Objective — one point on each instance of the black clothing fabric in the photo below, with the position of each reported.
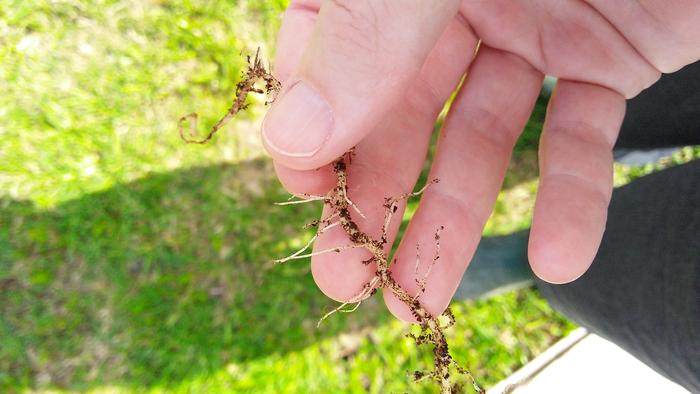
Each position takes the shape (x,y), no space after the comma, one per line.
(665,115)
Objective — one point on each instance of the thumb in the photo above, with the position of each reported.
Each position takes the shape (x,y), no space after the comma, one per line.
(362,56)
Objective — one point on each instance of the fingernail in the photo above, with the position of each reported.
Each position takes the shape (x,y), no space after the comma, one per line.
(299,122)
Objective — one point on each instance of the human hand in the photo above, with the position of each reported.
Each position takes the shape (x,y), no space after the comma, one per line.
(375,74)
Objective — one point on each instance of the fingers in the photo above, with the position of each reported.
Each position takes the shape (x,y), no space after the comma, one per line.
(580,130)
(388,161)
(666,33)
(473,153)
(361,58)
(297,26)
(566,39)
(312,182)
(294,35)
(375,172)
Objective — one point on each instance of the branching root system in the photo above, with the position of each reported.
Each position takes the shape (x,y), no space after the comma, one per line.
(432,328)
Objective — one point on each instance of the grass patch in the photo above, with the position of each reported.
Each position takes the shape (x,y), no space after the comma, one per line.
(131,262)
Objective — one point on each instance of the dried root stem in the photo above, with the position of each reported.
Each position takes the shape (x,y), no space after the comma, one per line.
(336,249)
(431,328)
(256,72)
(301,201)
(368,290)
(421,280)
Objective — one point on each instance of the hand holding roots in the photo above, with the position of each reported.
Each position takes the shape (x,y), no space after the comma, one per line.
(432,328)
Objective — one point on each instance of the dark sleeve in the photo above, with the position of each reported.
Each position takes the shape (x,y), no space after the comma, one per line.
(665,115)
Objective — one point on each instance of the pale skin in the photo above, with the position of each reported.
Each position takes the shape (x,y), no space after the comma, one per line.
(386,68)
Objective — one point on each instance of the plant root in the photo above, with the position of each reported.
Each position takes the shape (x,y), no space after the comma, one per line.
(432,330)
(256,72)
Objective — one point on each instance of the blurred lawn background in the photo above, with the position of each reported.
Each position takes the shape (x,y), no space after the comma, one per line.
(131,262)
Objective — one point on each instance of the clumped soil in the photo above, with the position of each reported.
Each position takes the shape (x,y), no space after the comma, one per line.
(257,79)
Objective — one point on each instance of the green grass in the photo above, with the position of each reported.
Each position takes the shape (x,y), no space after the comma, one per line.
(131,262)
(92,91)
(164,284)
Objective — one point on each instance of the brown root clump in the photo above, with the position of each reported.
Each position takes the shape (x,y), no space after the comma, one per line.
(432,328)
(256,72)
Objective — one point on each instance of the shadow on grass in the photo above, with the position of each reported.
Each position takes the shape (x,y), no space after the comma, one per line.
(166,278)
(156,281)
